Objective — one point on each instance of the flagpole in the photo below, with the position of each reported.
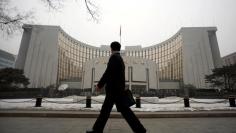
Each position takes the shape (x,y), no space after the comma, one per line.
(120,34)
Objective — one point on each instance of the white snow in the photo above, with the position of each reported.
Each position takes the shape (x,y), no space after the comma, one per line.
(150,104)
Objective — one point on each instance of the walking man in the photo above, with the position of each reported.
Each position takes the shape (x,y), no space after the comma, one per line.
(114,79)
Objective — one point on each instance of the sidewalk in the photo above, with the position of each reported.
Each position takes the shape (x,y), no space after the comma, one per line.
(39,121)
(91,114)
(117,125)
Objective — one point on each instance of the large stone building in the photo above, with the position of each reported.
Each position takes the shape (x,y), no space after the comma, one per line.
(49,56)
(6,59)
(139,73)
(229,59)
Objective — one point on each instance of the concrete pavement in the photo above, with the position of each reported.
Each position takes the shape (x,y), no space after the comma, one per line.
(85,114)
(79,125)
(39,121)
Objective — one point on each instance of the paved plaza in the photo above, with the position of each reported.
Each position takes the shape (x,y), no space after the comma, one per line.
(117,125)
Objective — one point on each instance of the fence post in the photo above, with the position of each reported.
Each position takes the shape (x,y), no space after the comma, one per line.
(88,101)
(138,102)
(38,102)
(186,102)
(232,101)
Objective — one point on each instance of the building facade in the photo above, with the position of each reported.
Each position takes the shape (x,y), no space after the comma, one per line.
(229,59)
(139,73)
(50,56)
(6,59)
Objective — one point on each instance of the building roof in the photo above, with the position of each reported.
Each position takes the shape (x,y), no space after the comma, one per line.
(234,53)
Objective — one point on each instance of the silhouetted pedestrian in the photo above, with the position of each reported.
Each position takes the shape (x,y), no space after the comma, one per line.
(114,78)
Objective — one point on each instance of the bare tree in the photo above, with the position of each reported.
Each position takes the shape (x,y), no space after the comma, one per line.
(54,4)
(90,6)
(11,19)
(92,10)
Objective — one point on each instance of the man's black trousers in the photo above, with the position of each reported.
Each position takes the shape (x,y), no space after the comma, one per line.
(126,112)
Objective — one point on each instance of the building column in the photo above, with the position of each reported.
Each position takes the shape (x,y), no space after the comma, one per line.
(129,76)
(92,80)
(147,79)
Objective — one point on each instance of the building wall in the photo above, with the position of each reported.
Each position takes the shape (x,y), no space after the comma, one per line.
(71,84)
(73,54)
(23,51)
(137,72)
(168,56)
(186,57)
(169,85)
(6,59)
(229,59)
(38,55)
(200,55)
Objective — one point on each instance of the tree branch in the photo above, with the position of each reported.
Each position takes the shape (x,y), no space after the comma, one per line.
(10,24)
(92,10)
(90,6)
(11,20)
(54,4)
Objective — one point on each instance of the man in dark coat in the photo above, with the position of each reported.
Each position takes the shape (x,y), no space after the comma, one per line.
(114,78)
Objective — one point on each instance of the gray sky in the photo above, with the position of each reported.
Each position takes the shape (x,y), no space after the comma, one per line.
(144,22)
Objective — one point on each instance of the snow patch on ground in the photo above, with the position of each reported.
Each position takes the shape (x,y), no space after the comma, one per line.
(149,104)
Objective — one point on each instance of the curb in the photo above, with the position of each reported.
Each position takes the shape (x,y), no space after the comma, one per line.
(74,114)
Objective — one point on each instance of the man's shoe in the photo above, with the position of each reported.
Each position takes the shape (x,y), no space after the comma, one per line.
(92,131)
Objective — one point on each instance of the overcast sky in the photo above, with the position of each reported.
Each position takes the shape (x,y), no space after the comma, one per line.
(144,22)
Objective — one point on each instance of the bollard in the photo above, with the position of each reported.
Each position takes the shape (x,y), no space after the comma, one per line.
(138,102)
(88,102)
(38,102)
(232,101)
(186,102)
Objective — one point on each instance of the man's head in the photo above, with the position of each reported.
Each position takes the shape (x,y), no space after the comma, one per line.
(115,46)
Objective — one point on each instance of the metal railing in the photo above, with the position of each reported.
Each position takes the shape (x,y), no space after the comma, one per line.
(88,101)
